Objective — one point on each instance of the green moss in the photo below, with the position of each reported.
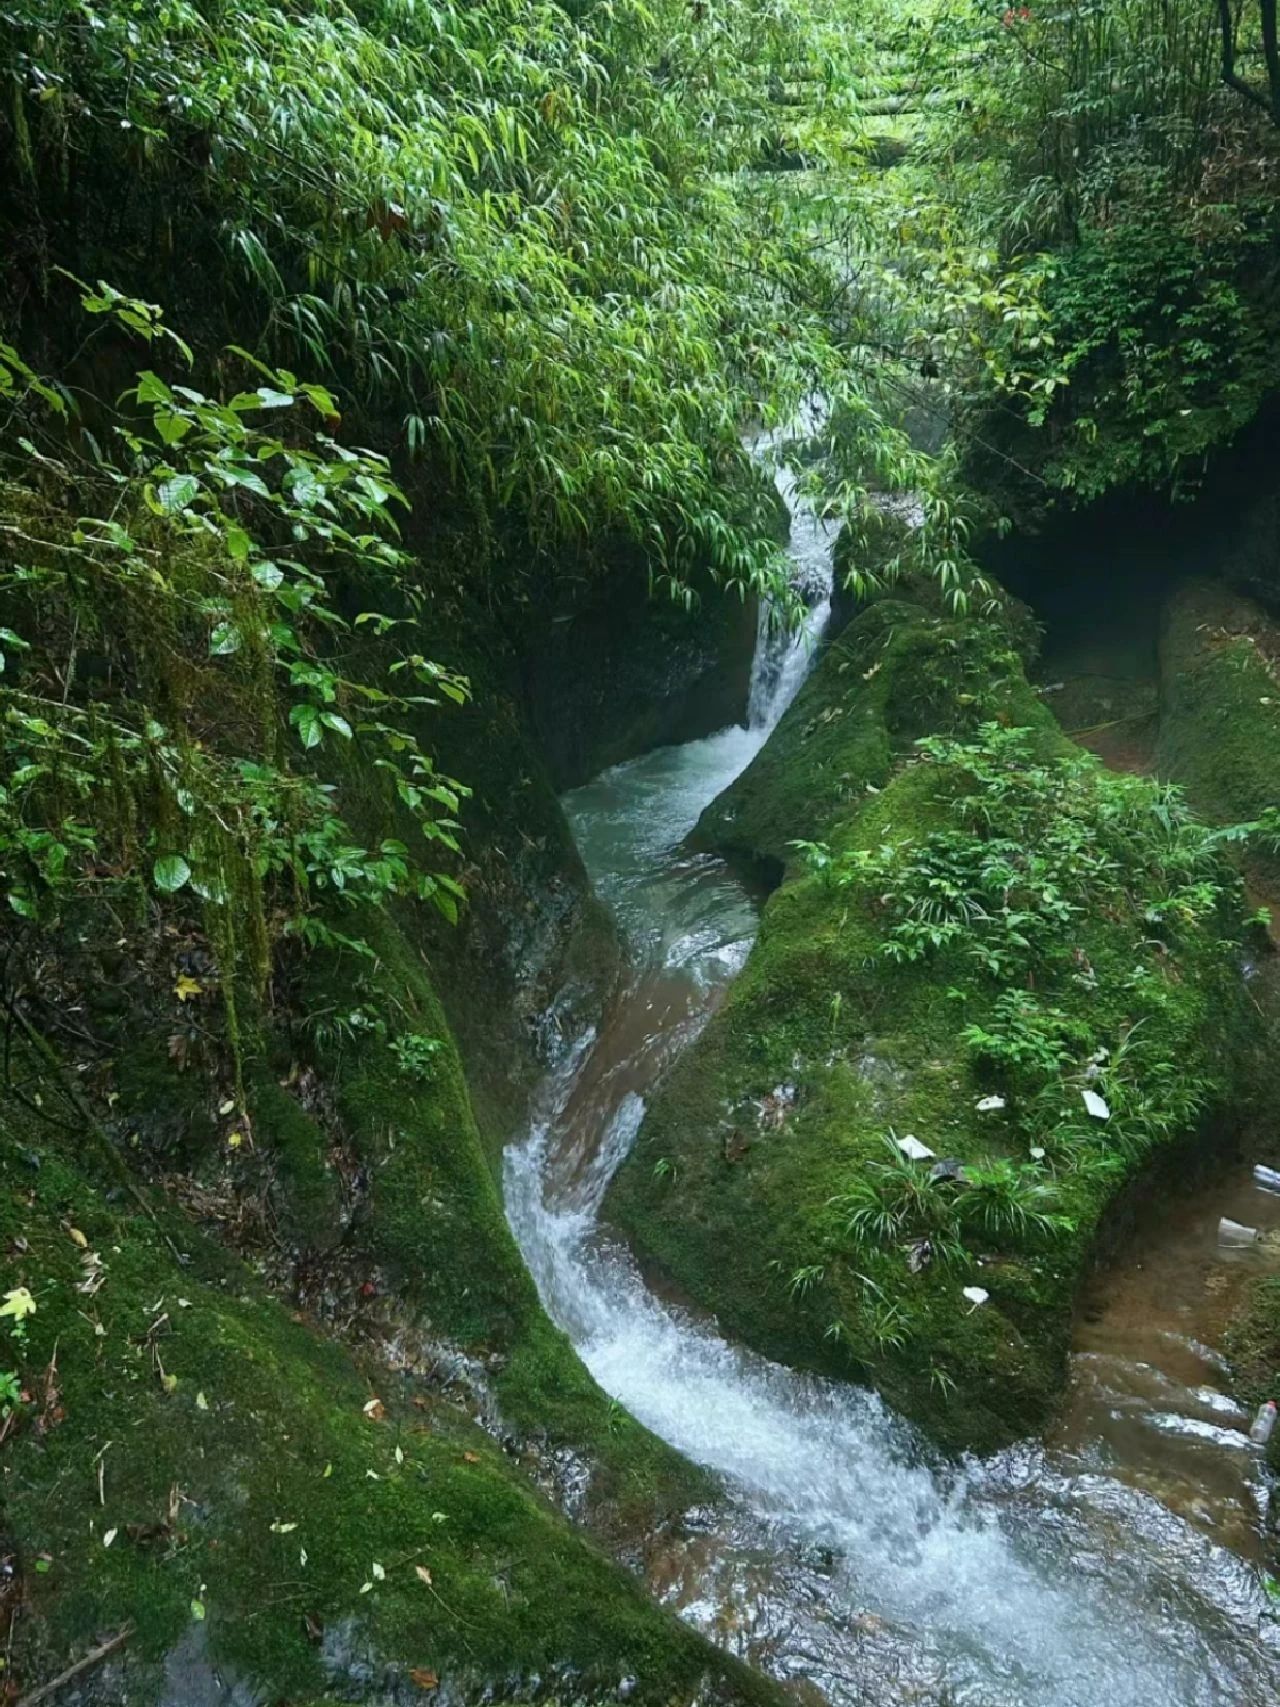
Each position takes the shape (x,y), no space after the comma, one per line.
(309,1196)
(897,671)
(431,1222)
(200,1447)
(825,1047)
(1220,709)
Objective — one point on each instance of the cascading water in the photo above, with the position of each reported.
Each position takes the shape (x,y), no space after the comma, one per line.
(841,1555)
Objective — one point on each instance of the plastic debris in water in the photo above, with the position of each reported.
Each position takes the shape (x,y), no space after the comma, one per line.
(911,1146)
(1264,1423)
(976,1295)
(1234,1235)
(987,1104)
(1267,1178)
(1096,1105)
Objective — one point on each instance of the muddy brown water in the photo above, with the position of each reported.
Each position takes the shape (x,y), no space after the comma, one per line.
(1150,1399)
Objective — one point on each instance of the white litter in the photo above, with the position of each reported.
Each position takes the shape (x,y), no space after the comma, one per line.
(976,1295)
(987,1104)
(1037,1152)
(1096,1105)
(911,1146)
(1234,1235)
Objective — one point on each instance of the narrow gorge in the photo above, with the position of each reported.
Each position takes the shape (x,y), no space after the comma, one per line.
(639,842)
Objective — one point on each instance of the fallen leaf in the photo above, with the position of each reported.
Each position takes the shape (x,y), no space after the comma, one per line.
(278,1528)
(227,1107)
(471,1457)
(988,1105)
(234,1140)
(375,1410)
(377,1572)
(424,1679)
(202,1404)
(422,1574)
(399,1454)
(109,1537)
(185,989)
(77,1238)
(19,1303)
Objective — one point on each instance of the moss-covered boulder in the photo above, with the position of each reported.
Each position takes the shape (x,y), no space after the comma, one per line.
(189,1462)
(898,671)
(1220,709)
(1000,955)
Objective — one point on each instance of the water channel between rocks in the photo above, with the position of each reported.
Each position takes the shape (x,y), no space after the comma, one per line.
(1103,1566)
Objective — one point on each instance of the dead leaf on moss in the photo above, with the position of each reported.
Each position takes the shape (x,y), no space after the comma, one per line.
(424,1679)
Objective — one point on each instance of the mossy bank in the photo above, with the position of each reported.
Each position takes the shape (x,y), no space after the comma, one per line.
(247,1495)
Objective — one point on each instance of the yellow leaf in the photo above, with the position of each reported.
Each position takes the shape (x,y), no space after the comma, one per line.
(423,1574)
(78,1238)
(186,988)
(18,1303)
(234,1140)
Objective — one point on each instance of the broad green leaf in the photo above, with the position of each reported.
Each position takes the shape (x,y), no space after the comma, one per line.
(177,493)
(170,872)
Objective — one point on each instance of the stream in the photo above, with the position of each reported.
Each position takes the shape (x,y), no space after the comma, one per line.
(844,1555)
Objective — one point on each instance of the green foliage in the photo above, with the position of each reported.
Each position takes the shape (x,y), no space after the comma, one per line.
(1032,843)
(1031,849)
(522,233)
(200,594)
(415,1055)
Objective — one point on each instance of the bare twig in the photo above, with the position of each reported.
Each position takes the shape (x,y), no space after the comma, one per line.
(94,1657)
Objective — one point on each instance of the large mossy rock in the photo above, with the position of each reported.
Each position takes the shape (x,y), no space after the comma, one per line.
(900,670)
(848,1030)
(258,1502)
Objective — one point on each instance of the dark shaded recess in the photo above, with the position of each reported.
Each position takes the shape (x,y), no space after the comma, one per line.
(1097,578)
(622,670)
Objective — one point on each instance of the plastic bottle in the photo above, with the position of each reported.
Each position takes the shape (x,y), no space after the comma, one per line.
(1264,1423)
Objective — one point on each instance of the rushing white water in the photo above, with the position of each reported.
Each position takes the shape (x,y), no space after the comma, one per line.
(843,1556)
